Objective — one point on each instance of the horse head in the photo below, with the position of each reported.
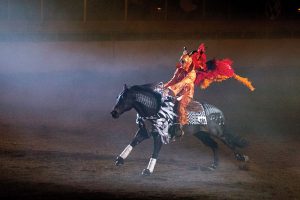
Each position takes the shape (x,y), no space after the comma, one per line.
(143,98)
(124,102)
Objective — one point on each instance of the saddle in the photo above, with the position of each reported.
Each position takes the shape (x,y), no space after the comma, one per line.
(194,110)
(194,106)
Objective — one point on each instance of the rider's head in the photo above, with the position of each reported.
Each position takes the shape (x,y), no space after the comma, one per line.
(201,49)
(185,60)
(199,58)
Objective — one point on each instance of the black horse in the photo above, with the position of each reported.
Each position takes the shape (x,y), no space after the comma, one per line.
(205,122)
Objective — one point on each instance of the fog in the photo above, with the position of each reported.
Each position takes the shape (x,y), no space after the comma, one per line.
(74,82)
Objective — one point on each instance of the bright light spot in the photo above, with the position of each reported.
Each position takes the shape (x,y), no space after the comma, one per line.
(159,8)
(298,9)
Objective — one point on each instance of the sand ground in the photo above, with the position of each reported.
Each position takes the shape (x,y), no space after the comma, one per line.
(58,140)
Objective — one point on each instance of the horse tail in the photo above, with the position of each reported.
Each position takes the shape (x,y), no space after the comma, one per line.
(244,81)
(235,140)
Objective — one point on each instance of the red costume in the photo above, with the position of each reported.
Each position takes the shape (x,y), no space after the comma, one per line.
(195,70)
(214,70)
(182,84)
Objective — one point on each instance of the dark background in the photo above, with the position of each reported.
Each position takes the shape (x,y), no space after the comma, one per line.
(63,63)
(97,10)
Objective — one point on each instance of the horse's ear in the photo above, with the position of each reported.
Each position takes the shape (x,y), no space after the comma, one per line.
(125,87)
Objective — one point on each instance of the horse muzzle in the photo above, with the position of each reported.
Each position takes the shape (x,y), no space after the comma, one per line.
(115,114)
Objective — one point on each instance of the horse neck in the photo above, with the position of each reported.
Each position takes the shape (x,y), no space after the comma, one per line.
(146,104)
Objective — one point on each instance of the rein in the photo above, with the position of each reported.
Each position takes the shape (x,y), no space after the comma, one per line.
(164,118)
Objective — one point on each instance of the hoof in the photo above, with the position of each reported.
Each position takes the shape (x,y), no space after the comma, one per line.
(212,167)
(241,157)
(119,161)
(146,172)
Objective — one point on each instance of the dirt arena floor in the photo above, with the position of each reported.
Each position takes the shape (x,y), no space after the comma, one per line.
(58,140)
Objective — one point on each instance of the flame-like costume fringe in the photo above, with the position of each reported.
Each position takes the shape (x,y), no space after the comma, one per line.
(244,81)
(207,82)
(219,78)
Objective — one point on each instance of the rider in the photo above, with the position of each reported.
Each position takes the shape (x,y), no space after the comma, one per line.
(194,69)
(182,84)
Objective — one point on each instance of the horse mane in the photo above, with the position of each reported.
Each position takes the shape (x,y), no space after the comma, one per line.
(148,88)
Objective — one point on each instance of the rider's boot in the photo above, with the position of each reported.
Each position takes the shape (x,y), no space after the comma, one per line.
(178,131)
(182,120)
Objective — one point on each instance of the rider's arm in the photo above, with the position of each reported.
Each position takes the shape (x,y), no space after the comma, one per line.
(173,79)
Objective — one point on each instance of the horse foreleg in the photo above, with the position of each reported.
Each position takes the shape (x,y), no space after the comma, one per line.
(138,138)
(157,143)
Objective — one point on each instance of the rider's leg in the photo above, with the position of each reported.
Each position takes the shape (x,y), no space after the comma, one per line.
(183,119)
(141,135)
(182,109)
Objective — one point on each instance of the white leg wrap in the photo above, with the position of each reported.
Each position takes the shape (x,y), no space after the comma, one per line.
(126,151)
(151,164)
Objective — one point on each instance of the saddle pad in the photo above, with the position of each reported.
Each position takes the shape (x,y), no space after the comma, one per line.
(197,117)
(194,106)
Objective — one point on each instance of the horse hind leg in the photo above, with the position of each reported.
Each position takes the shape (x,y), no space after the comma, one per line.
(241,157)
(230,140)
(234,142)
(208,141)
(217,129)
